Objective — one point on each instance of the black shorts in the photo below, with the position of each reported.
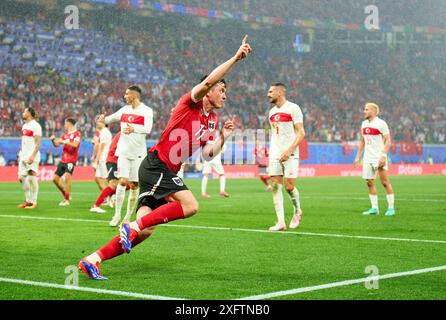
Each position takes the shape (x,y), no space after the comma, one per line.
(156,181)
(112,171)
(64,167)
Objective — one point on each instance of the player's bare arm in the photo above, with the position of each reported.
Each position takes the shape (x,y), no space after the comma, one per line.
(37,141)
(360,150)
(212,149)
(200,90)
(300,135)
(56,141)
(73,144)
(387,145)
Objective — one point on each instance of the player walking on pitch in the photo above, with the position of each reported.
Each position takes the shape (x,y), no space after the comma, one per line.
(287,132)
(29,158)
(136,121)
(164,197)
(207,170)
(99,161)
(375,142)
(71,141)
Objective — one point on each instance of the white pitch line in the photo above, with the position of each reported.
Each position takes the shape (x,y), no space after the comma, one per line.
(342,283)
(334,235)
(87,289)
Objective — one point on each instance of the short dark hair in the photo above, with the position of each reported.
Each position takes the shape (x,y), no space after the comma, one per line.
(135,88)
(204,77)
(279,84)
(71,120)
(31,111)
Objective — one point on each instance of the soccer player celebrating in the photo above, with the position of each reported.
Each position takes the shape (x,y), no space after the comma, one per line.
(99,162)
(261,154)
(164,197)
(29,158)
(112,170)
(136,120)
(287,132)
(207,169)
(71,141)
(375,143)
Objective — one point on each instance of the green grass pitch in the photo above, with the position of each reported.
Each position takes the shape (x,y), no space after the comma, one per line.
(234,257)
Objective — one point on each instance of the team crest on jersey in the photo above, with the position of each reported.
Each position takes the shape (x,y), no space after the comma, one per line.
(71,136)
(277,117)
(367,130)
(211,125)
(178,181)
(131,119)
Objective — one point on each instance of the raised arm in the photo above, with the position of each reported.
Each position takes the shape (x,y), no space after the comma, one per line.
(200,90)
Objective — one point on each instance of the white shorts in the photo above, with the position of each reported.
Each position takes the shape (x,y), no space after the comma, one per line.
(370,170)
(218,167)
(128,168)
(288,169)
(24,167)
(101,170)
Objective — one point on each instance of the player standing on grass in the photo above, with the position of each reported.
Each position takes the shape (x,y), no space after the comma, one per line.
(375,142)
(71,141)
(261,154)
(112,172)
(216,164)
(287,132)
(164,197)
(29,158)
(136,121)
(99,162)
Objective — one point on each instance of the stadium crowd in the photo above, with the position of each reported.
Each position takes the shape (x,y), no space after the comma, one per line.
(331,83)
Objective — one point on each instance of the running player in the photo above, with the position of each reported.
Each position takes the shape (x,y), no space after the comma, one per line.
(29,158)
(136,121)
(71,141)
(164,197)
(99,162)
(375,142)
(112,172)
(215,164)
(287,132)
(261,154)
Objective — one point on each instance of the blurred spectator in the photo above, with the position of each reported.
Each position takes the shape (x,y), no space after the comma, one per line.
(2,160)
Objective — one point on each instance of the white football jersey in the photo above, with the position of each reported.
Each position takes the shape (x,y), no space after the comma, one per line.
(105,136)
(373,132)
(29,131)
(282,121)
(133,145)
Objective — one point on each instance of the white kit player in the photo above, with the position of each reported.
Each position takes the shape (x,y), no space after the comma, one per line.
(287,132)
(29,158)
(99,162)
(375,142)
(136,121)
(215,164)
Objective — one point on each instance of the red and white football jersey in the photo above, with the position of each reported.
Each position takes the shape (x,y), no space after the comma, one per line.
(282,121)
(373,132)
(29,131)
(105,136)
(133,145)
(70,154)
(188,129)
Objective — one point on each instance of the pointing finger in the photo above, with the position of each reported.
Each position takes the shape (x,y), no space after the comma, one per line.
(245,39)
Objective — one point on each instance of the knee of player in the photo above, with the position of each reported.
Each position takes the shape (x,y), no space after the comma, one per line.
(289,187)
(144,234)
(190,208)
(370,183)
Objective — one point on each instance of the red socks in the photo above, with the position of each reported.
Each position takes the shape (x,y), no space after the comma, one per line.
(66,196)
(168,212)
(114,248)
(104,194)
(264,180)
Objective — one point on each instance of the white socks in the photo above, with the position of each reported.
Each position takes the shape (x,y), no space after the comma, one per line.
(294,197)
(204,184)
(27,189)
(131,202)
(34,188)
(278,203)
(374,200)
(93,258)
(120,196)
(222,183)
(390,200)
